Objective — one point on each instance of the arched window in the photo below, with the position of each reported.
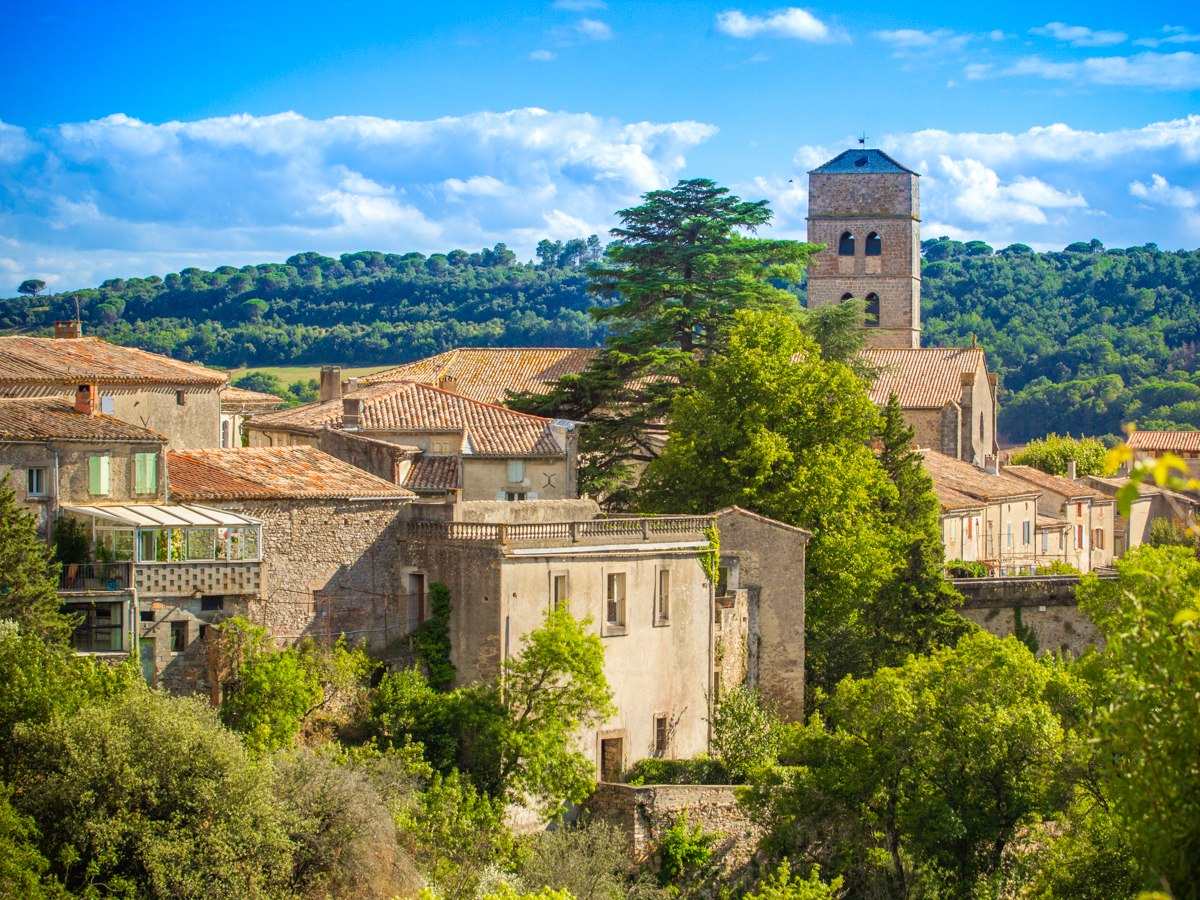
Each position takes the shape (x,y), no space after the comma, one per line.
(872,311)
(846,244)
(874,244)
(225,433)
(846,297)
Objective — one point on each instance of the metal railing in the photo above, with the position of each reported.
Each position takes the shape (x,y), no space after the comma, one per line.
(111,576)
(640,528)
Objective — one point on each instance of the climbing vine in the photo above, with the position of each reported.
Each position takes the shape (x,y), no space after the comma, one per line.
(431,640)
(710,559)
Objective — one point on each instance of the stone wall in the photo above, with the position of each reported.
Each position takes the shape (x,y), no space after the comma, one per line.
(644,812)
(524,513)
(381,458)
(1047,608)
(731,642)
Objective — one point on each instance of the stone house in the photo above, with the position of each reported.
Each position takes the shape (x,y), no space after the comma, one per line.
(329,538)
(1152,503)
(764,559)
(179,400)
(639,582)
(1154,444)
(947,395)
(238,405)
(1087,514)
(1002,532)
(487,451)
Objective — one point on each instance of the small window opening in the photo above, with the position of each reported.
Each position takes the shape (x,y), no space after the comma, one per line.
(662,609)
(847,296)
(615,599)
(181,398)
(212,604)
(661,736)
(146,615)
(874,246)
(846,244)
(872,311)
(179,634)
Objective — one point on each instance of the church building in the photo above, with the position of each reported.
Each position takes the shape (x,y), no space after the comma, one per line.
(865,208)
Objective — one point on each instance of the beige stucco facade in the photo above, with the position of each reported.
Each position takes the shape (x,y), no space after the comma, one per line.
(504,577)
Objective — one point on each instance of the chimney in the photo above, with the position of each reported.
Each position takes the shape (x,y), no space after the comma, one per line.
(72,328)
(448,383)
(85,399)
(991,465)
(351,413)
(350,385)
(1072,469)
(331,383)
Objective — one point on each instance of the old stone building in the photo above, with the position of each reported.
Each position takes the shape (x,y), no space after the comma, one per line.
(452,443)
(638,581)
(1077,512)
(864,207)
(1152,503)
(179,400)
(238,405)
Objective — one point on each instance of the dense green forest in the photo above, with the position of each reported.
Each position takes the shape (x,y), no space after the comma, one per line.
(1084,339)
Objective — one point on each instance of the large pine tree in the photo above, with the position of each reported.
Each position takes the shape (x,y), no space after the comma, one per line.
(28,573)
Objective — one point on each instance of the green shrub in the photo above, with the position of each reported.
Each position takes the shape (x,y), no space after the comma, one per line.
(962,568)
(701,770)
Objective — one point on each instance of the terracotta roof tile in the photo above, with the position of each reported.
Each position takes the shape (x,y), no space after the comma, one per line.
(408,407)
(237,395)
(488,374)
(1053,484)
(33,360)
(54,418)
(430,474)
(1165,441)
(951,499)
(925,378)
(964,478)
(266,473)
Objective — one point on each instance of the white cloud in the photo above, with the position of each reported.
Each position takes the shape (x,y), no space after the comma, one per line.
(979,195)
(543,56)
(915,39)
(1080,35)
(594,29)
(1172,34)
(1162,71)
(1163,193)
(117,196)
(791,22)
(579,5)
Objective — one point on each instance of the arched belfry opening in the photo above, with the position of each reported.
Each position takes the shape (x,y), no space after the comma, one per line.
(874,244)
(872,311)
(846,244)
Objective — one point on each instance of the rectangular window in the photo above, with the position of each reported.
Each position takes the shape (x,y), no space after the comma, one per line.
(661,736)
(212,604)
(558,591)
(662,604)
(514,495)
(1009,535)
(970,527)
(614,613)
(1045,542)
(181,397)
(1026,532)
(1098,538)
(146,615)
(145,473)
(1079,509)
(1078,537)
(35,482)
(516,471)
(179,636)
(99,475)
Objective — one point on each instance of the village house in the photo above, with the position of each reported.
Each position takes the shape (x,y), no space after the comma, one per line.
(999,531)
(1156,444)
(238,405)
(450,443)
(1152,503)
(329,538)
(1087,514)
(639,582)
(179,400)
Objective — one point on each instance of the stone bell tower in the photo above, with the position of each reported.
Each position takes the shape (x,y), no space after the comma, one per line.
(863,206)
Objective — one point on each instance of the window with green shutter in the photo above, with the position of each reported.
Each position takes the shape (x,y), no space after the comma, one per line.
(99,472)
(145,473)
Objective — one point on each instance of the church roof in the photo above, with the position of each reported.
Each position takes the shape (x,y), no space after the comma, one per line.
(488,374)
(862,162)
(925,377)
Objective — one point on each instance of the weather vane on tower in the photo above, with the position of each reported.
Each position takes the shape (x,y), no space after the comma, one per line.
(863,140)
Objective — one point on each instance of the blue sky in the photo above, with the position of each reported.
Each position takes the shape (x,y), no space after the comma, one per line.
(142,138)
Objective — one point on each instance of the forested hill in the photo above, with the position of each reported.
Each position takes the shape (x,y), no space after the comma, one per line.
(1083,339)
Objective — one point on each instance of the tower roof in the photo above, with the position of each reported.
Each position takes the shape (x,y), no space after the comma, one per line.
(862,161)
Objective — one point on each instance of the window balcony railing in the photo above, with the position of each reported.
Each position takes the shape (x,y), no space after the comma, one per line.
(99,576)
